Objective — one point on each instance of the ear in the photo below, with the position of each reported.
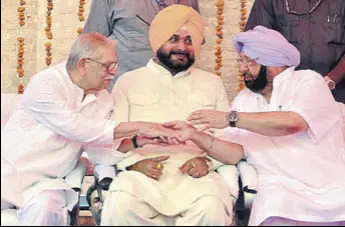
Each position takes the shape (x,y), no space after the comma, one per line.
(81,66)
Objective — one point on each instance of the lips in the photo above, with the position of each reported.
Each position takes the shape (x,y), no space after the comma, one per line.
(248,78)
(180,56)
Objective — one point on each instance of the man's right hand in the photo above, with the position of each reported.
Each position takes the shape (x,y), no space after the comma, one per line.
(153,130)
(151,167)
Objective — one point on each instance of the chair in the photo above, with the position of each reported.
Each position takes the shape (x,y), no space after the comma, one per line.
(241,180)
(9,102)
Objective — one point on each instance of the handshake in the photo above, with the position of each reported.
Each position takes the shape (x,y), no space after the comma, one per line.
(175,132)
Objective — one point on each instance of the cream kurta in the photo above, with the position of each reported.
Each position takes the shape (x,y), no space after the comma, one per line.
(42,140)
(151,93)
(301,176)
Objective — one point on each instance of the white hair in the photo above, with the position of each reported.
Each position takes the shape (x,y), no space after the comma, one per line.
(86,46)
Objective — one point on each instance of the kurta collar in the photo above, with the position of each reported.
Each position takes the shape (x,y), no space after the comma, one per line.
(286,74)
(161,70)
(79,91)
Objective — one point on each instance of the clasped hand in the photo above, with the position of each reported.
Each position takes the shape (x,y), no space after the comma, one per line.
(175,132)
(180,132)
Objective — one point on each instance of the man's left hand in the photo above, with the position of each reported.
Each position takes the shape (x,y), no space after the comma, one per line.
(185,130)
(196,167)
(209,118)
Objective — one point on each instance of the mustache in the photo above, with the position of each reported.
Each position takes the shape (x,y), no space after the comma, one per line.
(186,53)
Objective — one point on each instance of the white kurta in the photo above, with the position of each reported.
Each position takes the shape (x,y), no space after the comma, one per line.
(151,93)
(42,140)
(301,176)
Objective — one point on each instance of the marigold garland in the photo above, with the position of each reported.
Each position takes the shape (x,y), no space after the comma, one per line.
(48,31)
(242,25)
(81,16)
(219,34)
(21,46)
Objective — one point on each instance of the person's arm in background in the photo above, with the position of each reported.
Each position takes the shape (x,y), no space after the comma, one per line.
(195,5)
(338,72)
(262,13)
(99,17)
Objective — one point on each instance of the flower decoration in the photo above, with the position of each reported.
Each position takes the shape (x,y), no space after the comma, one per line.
(242,25)
(21,46)
(81,16)
(219,33)
(48,31)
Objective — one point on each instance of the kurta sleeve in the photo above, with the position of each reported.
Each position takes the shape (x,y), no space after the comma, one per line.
(325,108)
(222,104)
(262,13)
(107,154)
(48,101)
(99,19)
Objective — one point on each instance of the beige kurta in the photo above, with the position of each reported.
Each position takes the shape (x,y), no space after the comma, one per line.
(151,93)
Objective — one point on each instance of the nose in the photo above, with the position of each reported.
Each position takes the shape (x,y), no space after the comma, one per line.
(181,45)
(243,67)
(112,72)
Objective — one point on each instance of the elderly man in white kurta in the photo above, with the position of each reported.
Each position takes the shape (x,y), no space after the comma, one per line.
(290,128)
(168,88)
(41,143)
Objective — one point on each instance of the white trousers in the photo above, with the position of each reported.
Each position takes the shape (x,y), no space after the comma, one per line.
(279,221)
(46,209)
(122,209)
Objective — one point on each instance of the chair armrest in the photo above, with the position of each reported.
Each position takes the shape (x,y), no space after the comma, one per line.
(229,174)
(76,176)
(249,179)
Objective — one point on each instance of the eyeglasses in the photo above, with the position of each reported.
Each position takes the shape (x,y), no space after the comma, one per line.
(109,68)
(248,62)
(304,13)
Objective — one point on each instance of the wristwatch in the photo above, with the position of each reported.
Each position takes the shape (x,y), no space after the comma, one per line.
(330,82)
(233,118)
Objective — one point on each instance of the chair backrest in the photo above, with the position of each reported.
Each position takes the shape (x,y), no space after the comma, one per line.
(9,102)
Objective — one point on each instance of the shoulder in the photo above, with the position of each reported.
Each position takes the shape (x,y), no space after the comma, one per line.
(243,94)
(134,74)
(53,75)
(132,78)
(307,76)
(205,76)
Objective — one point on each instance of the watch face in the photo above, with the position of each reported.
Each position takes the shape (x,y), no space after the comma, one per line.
(233,116)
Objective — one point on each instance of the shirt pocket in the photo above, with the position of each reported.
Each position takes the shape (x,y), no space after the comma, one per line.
(200,101)
(334,27)
(143,106)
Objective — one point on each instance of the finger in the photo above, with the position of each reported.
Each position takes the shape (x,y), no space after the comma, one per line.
(170,140)
(158,166)
(186,167)
(195,115)
(163,139)
(193,171)
(154,174)
(174,141)
(160,158)
(170,124)
(204,127)
(195,175)
(197,121)
(207,159)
